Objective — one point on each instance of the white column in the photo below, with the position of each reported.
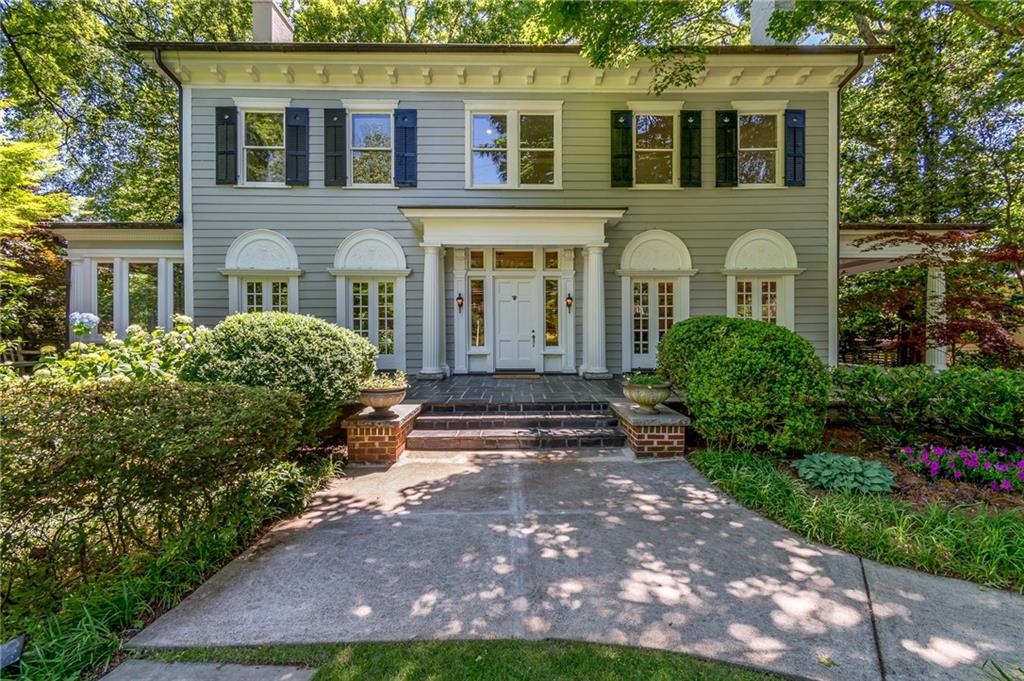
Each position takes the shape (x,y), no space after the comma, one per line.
(431,361)
(594,360)
(164,293)
(120,295)
(935,357)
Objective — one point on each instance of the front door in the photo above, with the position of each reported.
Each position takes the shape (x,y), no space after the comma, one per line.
(516,323)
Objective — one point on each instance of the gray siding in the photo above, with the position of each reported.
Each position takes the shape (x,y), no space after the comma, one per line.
(316,218)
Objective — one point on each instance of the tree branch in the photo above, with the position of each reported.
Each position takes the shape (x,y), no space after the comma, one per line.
(57,108)
(1011,30)
(864,29)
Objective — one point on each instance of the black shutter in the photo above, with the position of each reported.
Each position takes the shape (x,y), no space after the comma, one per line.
(296,146)
(689,149)
(622,148)
(405,147)
(335,156)
(725,148)
(795,147)
(227,144)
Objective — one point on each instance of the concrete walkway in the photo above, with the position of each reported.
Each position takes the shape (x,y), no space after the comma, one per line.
(646,554)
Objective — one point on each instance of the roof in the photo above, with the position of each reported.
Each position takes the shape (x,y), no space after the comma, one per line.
(933,226)
(110,225)
(483,47)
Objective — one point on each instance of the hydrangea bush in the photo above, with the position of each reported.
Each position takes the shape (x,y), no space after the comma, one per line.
(999,468)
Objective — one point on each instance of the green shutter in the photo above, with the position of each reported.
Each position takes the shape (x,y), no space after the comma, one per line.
(622,148)
(725,148)
(689,148)
(335,156)
(226,133)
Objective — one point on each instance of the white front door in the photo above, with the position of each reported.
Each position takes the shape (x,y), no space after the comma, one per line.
(517,323)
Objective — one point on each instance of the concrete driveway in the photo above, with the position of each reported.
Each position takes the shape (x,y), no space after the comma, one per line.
(646,554)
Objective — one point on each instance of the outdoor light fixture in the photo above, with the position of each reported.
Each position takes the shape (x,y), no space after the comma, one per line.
(568,302)
(460,301)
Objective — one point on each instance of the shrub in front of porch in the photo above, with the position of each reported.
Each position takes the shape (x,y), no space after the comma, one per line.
(299,354)
(749,384)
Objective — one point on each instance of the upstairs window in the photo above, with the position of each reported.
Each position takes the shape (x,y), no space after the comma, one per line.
(758,152)
(372,148)
(513,146)
(263,142)
(654,149)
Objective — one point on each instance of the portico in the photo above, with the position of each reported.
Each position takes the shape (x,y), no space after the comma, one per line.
(513,296)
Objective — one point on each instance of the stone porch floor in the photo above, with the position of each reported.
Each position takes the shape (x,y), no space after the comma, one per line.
(494,390)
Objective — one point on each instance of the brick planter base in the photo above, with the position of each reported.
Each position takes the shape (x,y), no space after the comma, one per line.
(375,440)
(652,435)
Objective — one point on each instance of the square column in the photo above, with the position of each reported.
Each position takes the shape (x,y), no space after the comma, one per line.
(594,355)
(433,313)
(935,357)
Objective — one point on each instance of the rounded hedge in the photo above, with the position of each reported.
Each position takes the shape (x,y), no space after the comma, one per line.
(748,384)
(296,353)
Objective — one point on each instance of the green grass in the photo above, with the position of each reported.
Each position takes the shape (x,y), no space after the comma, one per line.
(478,661)
(978,544)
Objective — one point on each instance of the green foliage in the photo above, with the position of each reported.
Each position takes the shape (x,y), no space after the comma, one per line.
(141,356)
(748,384)
(979,544)
(384,381)
(643,379)
(300,354)
(911,405)
(96,471)
(994,672)
(838,473)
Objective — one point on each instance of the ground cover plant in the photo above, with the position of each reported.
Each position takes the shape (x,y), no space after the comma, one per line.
(478,661)
(999,468)
(322,362)
(839,473)
(121,496)
(974,542)
(748,384)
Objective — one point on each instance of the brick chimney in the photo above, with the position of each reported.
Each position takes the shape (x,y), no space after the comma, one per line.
(269,23)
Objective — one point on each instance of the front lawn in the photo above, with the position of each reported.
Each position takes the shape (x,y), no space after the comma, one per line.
(478,660)
(974,542)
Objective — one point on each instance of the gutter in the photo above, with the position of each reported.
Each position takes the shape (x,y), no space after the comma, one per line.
(181,117)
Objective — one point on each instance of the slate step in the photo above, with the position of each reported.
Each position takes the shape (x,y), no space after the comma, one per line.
(582,455)
(514,438)
(519,420)
(471,407)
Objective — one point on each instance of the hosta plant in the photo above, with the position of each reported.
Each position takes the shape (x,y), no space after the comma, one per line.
(838,473)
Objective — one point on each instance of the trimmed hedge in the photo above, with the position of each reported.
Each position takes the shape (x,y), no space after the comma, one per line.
(748,384)
(913,405)
(300,354)
(97,471)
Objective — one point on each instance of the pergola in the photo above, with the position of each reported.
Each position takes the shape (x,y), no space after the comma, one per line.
(856,257)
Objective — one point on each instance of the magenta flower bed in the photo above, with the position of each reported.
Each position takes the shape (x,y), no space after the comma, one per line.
(999,468)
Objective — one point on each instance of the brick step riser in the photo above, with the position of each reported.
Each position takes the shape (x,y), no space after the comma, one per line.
(484,443)
(456,409)
(456,423)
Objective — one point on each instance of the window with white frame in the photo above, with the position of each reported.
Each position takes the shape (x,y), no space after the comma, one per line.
(372,148)
(263,147)
(265,296)
(654,149)
(372,305)
(758,299)
(761,269)
(760,133)
(513,145)
(263,273)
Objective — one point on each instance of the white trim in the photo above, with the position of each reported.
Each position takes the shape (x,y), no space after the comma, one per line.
(655,106)
(274,259)
(350,145)
(512,227)
(780,148)
(754,106)
(264,103)
(186,197)
(259,272)
(341,272)
(115,234)
(369,105)
(745,263)
(512,110)
(674,151)
(833,229)
(242,180)
(285,259)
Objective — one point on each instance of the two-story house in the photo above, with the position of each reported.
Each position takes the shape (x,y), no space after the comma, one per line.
(482,208)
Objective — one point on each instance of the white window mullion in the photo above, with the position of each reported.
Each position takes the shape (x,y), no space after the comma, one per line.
(268,295)
(375,312)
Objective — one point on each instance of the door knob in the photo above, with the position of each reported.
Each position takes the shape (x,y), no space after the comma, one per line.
(533,338)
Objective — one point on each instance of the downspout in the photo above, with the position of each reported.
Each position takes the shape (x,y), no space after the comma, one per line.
(181,117)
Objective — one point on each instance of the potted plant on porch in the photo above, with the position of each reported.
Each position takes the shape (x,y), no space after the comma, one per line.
(383,391)
(646,391)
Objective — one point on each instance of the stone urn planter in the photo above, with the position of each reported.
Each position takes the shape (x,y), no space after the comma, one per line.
(383,391)
(646,392)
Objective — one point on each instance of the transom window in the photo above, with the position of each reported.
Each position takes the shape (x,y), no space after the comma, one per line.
(263,146)
(513,146)
(758,299)
(513,260)
(654,149)
(372,147)
(758,157)
(266,296)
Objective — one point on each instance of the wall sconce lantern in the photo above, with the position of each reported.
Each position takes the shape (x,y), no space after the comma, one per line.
(568,302)
(460,301)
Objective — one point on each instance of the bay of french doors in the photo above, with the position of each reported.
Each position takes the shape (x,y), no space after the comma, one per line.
(371,309)
(653,311)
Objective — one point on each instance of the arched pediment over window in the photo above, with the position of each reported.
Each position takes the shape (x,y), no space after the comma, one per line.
(261,249)
(761,249)
(761,268)
(370,250)
(656,251)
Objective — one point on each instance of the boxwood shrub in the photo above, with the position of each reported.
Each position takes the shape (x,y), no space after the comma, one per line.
(748,384)
(300,354)
(97,471)
(912,405)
